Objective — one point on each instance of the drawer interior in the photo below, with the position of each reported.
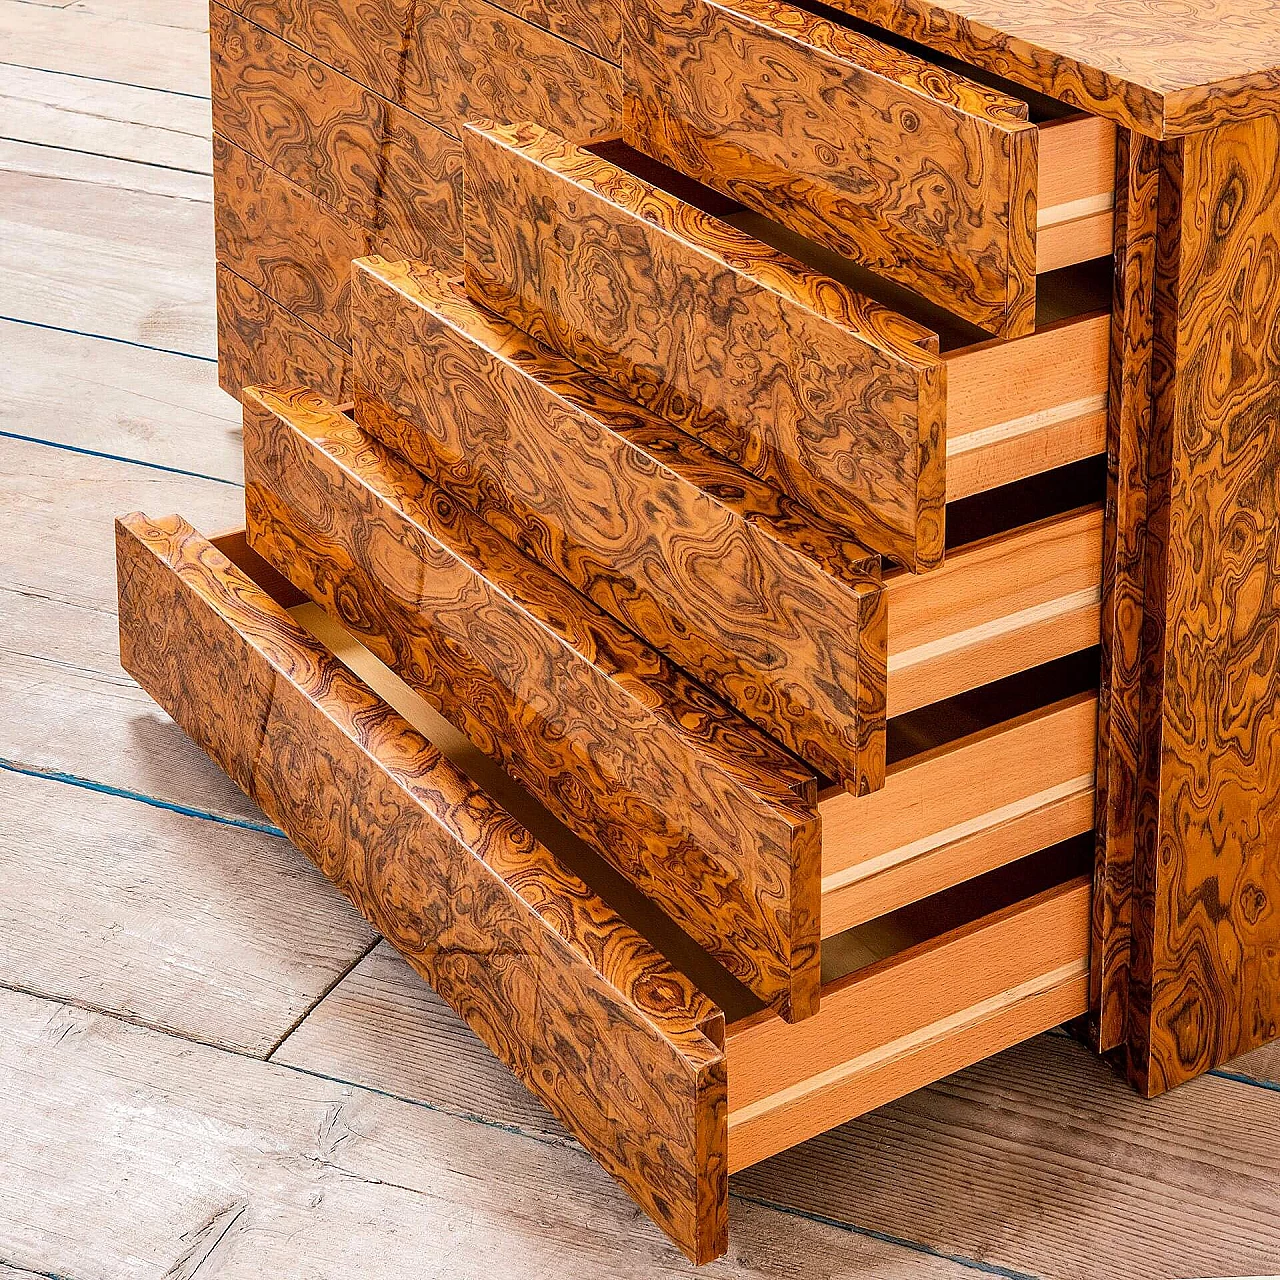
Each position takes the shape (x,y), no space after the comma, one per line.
(1014,408)
(908,996)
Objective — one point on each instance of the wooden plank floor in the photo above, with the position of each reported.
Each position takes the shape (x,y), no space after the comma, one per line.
(208,1065)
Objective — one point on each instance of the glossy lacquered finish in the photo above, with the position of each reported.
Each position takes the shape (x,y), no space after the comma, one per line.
(833,398)
(772,607)
(706,815)
(623,1048)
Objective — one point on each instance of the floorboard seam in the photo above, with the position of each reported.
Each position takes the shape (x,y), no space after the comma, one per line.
(321,998)
(106,337)
(123,793)
(105,155)
(973,1264)
(119,457)
(124,84)
(518,1131)
(29,1271)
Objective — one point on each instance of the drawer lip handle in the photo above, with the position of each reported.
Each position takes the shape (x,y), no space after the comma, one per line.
(558,986)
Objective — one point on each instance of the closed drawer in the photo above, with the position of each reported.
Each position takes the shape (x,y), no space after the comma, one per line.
(362,156)
(834,398)
(700,810)
(939,182)
(454,60)
(776,610)
(260,343)
(622,1047)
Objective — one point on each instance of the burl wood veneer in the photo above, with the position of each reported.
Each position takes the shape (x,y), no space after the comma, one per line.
(1199,894)
(454,60)
(914,170)
(363,156)
(707,816)
(773,608)
(832,398)
(622,1047)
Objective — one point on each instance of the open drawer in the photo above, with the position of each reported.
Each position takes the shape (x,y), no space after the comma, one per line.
(690,802)
(556,971)
(693,804)
(959,189)
(843,401)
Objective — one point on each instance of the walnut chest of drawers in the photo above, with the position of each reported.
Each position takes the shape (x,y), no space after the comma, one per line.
(761,566)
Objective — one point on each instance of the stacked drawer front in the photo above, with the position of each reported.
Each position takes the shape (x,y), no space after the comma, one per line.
(697,499)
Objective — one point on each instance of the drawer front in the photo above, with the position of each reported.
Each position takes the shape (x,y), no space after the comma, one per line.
(834,399)
(262,344)
(619,1045)
(283,241)
(775,610)
(908,1020)
(364,157)
(958,811)
(704,814)
(919,173)
(454,60)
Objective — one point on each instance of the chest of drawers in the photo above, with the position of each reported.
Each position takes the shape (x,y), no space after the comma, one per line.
(760,563)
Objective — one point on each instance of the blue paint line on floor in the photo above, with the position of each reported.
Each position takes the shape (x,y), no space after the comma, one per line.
(126,84)
(986,1268)
(118,457)
(123,793)
(106,337)
(1240,1078)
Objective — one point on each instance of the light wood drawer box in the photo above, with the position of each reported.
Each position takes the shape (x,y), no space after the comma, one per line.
(959,190)
(834,397)
(629,1053)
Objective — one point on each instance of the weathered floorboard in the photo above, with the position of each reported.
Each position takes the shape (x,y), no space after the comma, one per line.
(254,1170)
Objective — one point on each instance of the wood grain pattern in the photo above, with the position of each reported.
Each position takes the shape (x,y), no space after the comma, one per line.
(912,170)
(454,60)
(618,1044)
(708,817)
(905,1021)
(996,607)
(262,344)
(1204,980)
(281,240)
(1161,67)
(1123,578)
(774,609)
(957,811)
(829,397)
(362,155)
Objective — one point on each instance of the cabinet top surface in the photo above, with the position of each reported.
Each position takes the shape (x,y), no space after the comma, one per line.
(1163,67)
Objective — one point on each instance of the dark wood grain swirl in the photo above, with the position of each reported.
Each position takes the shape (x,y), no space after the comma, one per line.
(1123,581)
(830,397)
(449,61)
(1204,981)
(623,1048)
(910,169)
(283,241)
(774,609)
(363,156)
(704,814)
(262,344)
